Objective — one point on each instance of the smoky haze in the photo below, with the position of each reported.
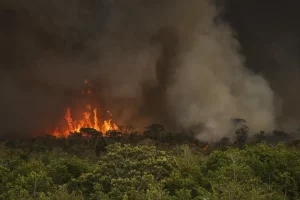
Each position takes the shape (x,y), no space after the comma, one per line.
(173,62)
(269,33)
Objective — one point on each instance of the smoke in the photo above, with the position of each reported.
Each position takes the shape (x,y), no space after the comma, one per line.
(212,84)
(270,41)
(169,62)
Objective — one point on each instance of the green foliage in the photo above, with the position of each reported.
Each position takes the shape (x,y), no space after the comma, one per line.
(28,180)
(63,170)
(63,194)
(127,168)
(187,175)
(276,166)
(145,171)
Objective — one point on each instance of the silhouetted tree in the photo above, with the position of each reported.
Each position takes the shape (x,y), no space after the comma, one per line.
(114,135)
(155,132)
(91,132)
(241,131)
(278,136)
(259,137)
(127,129)
(225,141)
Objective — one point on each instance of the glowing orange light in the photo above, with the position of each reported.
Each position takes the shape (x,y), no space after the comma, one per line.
(89,119)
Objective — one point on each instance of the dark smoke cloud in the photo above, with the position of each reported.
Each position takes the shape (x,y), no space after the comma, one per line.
(269,33)
(172,62)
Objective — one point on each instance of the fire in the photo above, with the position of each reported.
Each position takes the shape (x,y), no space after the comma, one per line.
(89,119)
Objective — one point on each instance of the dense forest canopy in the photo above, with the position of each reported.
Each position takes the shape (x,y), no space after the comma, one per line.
(153,165)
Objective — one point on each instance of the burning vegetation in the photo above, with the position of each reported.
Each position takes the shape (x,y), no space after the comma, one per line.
(89,119)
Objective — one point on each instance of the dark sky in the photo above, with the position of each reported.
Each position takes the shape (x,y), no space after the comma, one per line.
(269,32)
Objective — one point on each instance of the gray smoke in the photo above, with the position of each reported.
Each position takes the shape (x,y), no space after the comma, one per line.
(168,62)
(212,85)
(271,42)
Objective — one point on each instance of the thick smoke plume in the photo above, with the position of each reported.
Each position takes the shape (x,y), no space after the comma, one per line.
(212,85)
(172,62)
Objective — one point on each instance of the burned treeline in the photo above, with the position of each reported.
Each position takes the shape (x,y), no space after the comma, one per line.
(95,142)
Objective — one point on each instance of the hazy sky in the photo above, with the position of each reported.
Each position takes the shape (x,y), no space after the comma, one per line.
(180,63)
(269,34)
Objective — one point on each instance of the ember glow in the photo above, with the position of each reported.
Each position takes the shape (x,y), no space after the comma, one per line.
(89,119)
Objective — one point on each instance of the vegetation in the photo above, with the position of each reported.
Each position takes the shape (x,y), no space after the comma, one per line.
(155,165)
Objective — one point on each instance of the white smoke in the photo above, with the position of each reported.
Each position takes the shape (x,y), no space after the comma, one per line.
(212,85)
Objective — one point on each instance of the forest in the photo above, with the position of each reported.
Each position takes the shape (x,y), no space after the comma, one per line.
(153,165)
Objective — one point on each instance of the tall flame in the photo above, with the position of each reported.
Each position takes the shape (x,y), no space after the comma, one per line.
(96,119)
(89,119)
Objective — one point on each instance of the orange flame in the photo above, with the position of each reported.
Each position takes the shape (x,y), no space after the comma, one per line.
(85,122)
(69,118)
(56,132)
(96,119)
